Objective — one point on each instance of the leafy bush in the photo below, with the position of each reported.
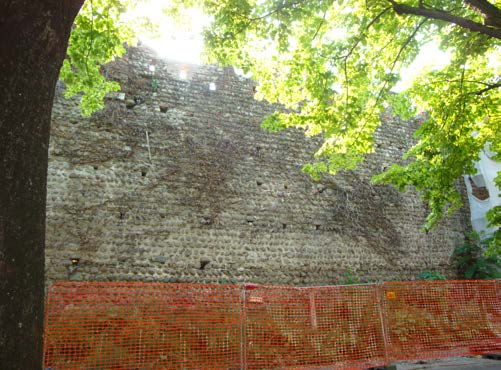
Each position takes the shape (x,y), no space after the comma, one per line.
(471,261)
(431,275)
(349,278)
(494,218)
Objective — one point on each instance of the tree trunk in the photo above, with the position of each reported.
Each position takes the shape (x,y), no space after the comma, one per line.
(33,41)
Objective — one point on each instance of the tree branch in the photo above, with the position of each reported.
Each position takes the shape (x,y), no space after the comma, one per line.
(283,6)
(488,11)
(362,34)
(395,61)
(319,26)
(447,17)
(489,87)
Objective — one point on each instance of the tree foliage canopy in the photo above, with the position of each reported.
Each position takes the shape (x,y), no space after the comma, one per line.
(98,36)
(336,65)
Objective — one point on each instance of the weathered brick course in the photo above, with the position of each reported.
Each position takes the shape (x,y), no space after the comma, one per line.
(178,183)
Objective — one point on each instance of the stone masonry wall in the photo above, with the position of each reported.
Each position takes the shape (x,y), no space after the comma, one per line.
(177,182)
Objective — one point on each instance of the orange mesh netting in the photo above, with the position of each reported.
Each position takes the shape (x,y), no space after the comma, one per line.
(313,327)
(143,326)
(187,326)
(441,319)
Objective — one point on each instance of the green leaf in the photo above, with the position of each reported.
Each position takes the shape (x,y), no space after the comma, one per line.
(273,123)
(431,275)
(98,36)
(470,271)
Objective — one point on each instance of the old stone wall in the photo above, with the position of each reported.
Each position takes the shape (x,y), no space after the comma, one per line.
(175,181)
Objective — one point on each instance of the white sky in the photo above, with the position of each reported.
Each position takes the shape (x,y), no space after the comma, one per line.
(179,43)
(430,57)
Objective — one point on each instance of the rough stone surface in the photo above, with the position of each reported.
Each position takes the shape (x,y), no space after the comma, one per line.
(178,182)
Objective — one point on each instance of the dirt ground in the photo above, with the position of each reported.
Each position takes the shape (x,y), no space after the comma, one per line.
(459,363)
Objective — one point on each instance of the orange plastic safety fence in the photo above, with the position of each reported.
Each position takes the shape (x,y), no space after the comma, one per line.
(143,326)
(319,327)
(441,319)
(186,326)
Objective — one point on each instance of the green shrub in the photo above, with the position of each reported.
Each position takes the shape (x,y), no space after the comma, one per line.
(350,278)
(494,243)
(471,261)
(431,275)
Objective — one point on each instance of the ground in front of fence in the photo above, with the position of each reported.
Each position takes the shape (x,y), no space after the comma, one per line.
(456,363)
